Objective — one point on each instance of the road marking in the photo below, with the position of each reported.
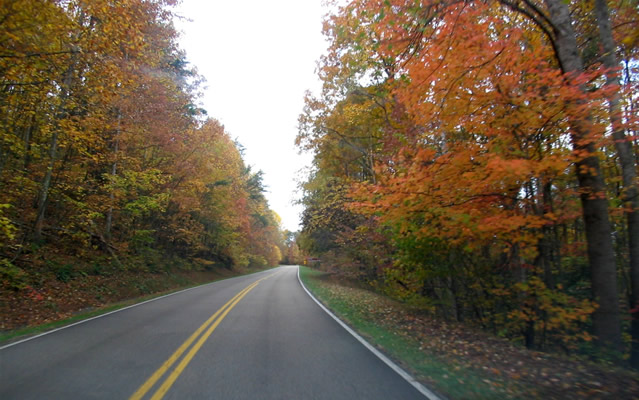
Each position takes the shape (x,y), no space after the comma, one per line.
(399,370)
(174,357)
(187,359)
(211,323)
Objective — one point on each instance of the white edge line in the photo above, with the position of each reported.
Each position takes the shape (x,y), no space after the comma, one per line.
(118,310)
(401,372)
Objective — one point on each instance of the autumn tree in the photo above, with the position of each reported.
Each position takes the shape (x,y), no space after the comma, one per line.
(556,22)
(487,105)
(104,149)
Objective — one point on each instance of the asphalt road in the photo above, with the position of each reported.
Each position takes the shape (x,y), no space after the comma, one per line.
(271,341)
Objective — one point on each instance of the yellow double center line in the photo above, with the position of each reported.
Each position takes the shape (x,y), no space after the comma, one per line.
(211,323)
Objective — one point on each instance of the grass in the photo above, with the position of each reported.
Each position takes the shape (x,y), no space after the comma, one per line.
(442,376)
(460,360)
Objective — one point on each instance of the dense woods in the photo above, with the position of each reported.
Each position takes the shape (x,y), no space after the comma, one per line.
(105,156)
(478,159)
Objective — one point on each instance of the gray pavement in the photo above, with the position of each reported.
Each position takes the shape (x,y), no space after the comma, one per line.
(276,343)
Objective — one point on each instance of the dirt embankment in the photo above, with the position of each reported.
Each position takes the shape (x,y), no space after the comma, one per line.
(57,295)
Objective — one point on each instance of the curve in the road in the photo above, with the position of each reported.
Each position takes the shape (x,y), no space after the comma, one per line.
(274,343)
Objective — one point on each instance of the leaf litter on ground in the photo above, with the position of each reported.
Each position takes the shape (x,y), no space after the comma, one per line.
(470,355)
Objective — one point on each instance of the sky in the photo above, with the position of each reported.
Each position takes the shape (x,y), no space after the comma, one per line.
(258,58)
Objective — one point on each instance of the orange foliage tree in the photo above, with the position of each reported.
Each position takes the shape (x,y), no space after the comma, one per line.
(485,114)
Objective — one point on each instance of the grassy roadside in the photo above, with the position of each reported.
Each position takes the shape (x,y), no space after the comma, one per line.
(349,305)
(174,283)
(462,363)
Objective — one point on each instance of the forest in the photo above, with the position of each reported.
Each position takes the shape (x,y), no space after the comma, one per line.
(108,166)
(478,159)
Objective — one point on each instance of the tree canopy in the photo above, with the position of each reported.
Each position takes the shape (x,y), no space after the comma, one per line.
(485,153)
(105,152)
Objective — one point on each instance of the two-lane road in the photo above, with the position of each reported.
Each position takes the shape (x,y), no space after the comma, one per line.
(253,337)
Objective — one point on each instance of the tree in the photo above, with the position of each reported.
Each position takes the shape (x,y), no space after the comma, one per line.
(623,145)
(486,106)
(103,147)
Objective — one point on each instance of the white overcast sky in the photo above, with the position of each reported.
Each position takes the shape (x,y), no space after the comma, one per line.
(258,58)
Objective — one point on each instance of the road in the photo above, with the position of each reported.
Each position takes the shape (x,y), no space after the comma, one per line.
(252,337)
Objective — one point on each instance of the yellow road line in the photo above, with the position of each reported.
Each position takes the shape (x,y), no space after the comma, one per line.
(187,359)
(222,312)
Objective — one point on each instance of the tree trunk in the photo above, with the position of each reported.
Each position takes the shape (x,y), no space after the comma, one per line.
(27,143)
(541,193)
(46,184)
(2,156)
(606,319)
(114,170)
(43,196)
(629,194)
